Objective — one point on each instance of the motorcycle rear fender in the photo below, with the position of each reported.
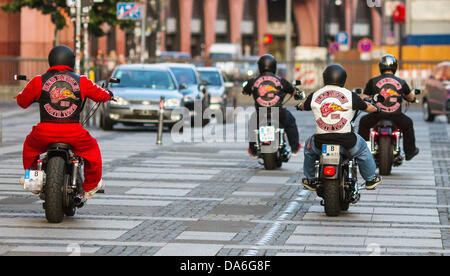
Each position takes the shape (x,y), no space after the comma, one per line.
(59,152)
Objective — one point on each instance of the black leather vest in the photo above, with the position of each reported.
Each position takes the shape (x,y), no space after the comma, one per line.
(60,100)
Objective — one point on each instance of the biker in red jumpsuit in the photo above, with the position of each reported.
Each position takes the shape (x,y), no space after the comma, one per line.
(60,94)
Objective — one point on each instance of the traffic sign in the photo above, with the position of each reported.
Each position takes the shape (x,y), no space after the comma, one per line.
(128,10)
(365,45)
(342,38)
(333,48)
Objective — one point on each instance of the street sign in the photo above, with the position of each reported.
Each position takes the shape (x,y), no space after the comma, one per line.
(365,45)
(333,48)
(128,10)
(342,38)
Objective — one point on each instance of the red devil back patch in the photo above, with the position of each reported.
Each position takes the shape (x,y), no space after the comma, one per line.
(389,88)
(268,91)
(60,99)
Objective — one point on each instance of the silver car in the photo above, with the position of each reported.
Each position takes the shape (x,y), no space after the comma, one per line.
(138,96)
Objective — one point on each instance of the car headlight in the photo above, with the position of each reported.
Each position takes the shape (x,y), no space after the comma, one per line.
(120,101)
(188,98)
(172,103)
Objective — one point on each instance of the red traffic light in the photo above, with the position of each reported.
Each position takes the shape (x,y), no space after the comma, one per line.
(268,39)
(399,14)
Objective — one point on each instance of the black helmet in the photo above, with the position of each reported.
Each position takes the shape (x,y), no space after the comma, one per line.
(267,63)
(388,63)
(334,75)
(61,55)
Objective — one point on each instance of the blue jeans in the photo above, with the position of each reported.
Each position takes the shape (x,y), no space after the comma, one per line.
(360,152)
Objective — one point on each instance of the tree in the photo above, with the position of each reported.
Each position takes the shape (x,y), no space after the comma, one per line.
(100,13)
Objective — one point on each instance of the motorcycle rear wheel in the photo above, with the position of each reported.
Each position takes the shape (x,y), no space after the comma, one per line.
(270,161)
(331,196)
(54,209)
(386,154)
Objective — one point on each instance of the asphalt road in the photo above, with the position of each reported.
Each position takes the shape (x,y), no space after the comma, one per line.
(210,198)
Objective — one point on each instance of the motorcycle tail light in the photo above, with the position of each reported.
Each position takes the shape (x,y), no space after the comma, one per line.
(329,171)
(266,143)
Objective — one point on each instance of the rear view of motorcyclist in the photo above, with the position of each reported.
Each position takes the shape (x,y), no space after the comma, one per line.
(334,108)
(269,90)
(394,90)
(60,94)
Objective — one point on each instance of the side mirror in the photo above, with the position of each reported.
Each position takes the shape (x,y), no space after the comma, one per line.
(417,91)
(182,86)
(378,98)
(299,95)
(20,77)
(114,80)
(358,91)
(297,83)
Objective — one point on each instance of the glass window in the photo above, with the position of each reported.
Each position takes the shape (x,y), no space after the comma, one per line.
(184,75)
(144,79)
(211,77)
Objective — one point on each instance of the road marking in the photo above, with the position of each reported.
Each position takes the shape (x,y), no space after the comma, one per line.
(72,223)
(54,249)
(60,233)
(163,192)
(205,235)
(189,249)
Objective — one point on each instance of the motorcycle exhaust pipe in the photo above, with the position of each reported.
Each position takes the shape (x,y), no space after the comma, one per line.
(372,141)
(317,171)
(79,200)
(76,165)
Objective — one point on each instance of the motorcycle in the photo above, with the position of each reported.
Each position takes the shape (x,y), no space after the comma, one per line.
(336,176)
(58,178)
(271,143)
(385,144)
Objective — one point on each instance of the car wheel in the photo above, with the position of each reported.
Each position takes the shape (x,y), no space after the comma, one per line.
(107,124)
(427,116)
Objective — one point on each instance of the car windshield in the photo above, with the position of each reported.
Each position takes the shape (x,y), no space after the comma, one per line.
(151,79)
(184,75)
(220,56)
(211,77)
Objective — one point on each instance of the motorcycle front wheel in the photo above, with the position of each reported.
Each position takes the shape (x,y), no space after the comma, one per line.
(54,209)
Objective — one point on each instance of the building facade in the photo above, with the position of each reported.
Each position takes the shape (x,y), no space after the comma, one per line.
(191,26)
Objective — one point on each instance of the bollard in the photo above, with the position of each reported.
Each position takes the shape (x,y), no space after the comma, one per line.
(161,121)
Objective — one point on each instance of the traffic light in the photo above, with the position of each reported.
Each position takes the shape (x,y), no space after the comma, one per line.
(399,14)
(268,39)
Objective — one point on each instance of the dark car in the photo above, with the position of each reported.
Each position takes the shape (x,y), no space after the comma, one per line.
(138,96)
(436,97)
(189,85)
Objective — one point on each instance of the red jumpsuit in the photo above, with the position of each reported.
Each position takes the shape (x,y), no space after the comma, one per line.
(45,133)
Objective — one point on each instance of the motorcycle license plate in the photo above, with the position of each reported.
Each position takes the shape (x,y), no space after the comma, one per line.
(331,154)
(267,134)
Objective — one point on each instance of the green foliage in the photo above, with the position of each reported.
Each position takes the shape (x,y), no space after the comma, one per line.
(100,13)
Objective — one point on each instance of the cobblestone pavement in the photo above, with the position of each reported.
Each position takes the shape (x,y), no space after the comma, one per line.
(212,199)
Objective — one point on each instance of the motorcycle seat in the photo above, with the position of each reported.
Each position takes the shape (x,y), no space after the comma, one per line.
(62,146)
(385,123)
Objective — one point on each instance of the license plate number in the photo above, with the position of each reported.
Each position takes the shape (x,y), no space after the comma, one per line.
(267,134)
(145,112)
